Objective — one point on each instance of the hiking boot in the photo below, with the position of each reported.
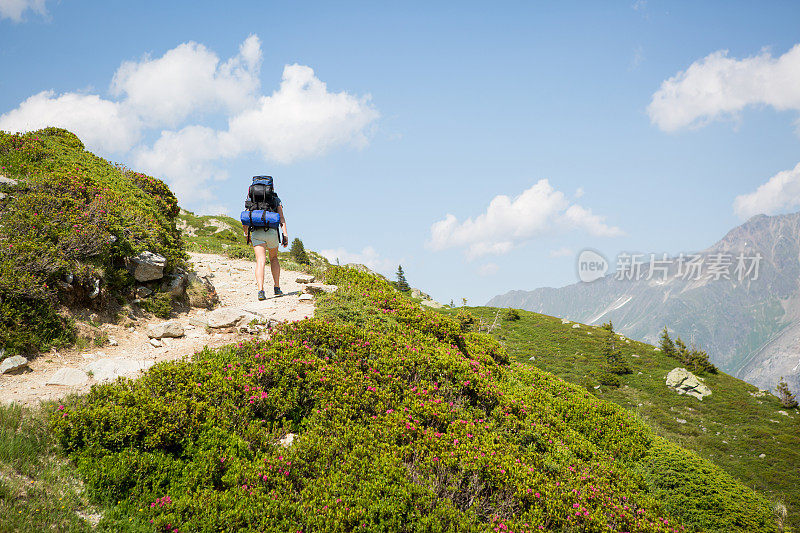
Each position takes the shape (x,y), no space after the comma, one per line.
(278,291)
(261,295)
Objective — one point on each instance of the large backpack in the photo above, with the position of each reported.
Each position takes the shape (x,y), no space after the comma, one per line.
(261,205)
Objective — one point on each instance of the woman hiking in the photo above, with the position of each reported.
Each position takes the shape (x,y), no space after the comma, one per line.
(261,226)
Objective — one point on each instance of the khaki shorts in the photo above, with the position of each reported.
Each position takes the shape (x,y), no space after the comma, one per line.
(259,236)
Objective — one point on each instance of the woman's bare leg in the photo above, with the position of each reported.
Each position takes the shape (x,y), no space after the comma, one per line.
(275,266)
(261,260)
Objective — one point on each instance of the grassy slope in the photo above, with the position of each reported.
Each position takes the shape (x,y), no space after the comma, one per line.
(405,422)
(730,427)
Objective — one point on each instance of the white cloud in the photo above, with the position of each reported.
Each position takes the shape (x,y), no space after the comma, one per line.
(368,256)
(188,79)
(718,86)
(186,90)
(488,269)
(781,191)
(510,222)
(561,252)
(101,124)
(579,192)
(15,9)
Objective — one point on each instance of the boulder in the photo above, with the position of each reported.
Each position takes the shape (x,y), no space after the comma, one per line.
(111,369)
(416,293)
(225,317)
(304,278)
(7,181)
(287,440)
(175,285)
(432,303)
(13,364)
(148,266)
(143,292)
(319,288)
(201,292)
(69,377)
(305,297)
(170,328)
(684,382)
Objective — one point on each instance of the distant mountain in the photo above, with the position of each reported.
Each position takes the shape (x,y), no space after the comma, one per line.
(749,325)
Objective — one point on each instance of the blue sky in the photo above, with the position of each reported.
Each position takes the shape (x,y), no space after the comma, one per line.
(420,134)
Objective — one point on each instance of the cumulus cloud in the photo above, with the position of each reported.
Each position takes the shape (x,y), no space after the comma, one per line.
(100,123)
(510,222)
(368,256)
(780,192)
(187,79)
(15,9)
(187,89)
(719,86)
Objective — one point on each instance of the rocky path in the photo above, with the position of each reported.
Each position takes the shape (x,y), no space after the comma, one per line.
(131,349)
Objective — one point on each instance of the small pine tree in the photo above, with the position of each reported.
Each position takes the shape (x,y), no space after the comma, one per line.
(451,303)
(463,302)
(785,395)
(401,283)
(298,252)
(667,346)
(612,352)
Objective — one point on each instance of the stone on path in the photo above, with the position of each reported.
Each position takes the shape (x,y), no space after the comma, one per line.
(305,297)
(224,317)
(69,377)
(148,266)
(156,343)
(170,328)
(13,364)
(319,288)
(304,278)
(684,382)
(111,369)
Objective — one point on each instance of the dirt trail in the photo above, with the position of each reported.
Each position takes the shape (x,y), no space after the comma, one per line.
(235,285)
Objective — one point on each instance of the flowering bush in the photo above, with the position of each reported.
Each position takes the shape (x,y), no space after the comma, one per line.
(404,422)
(71,214)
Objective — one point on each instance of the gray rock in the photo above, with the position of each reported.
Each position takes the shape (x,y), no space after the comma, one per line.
(564,321)
(576,326)
(111,369)
(319,288)
(175,285)
(416,293)
(13,364)
(112,341)
(287,440)
(148,266)
(305,297)
(225,317)
(170,328)
(156,343)
(68,377)
(143,292)
(7,181)
(684,382)
(680,420)
(95,289)
(304,278)
(762,456)
(432,303)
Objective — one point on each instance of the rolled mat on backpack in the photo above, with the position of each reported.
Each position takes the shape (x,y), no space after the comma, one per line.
(260,219)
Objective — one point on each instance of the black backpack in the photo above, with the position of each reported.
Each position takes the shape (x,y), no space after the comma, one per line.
(261,195)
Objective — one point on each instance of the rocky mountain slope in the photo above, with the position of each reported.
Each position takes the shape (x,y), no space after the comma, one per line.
(749,325)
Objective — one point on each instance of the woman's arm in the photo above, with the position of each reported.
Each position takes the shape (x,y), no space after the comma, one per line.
(283,223)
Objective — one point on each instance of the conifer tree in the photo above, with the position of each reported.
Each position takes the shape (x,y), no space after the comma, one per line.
(667,346)
(401,283)
(298,252)
(785,395)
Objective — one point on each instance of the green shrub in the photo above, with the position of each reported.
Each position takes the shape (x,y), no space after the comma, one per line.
(160,304)
(404,422)
(512,314)
(71,213)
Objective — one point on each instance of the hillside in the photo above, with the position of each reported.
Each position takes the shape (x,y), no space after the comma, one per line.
(376,413)
(748,326)
(732,427)
(70,224)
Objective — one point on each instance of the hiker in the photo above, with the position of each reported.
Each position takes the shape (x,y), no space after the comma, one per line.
(261,219)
